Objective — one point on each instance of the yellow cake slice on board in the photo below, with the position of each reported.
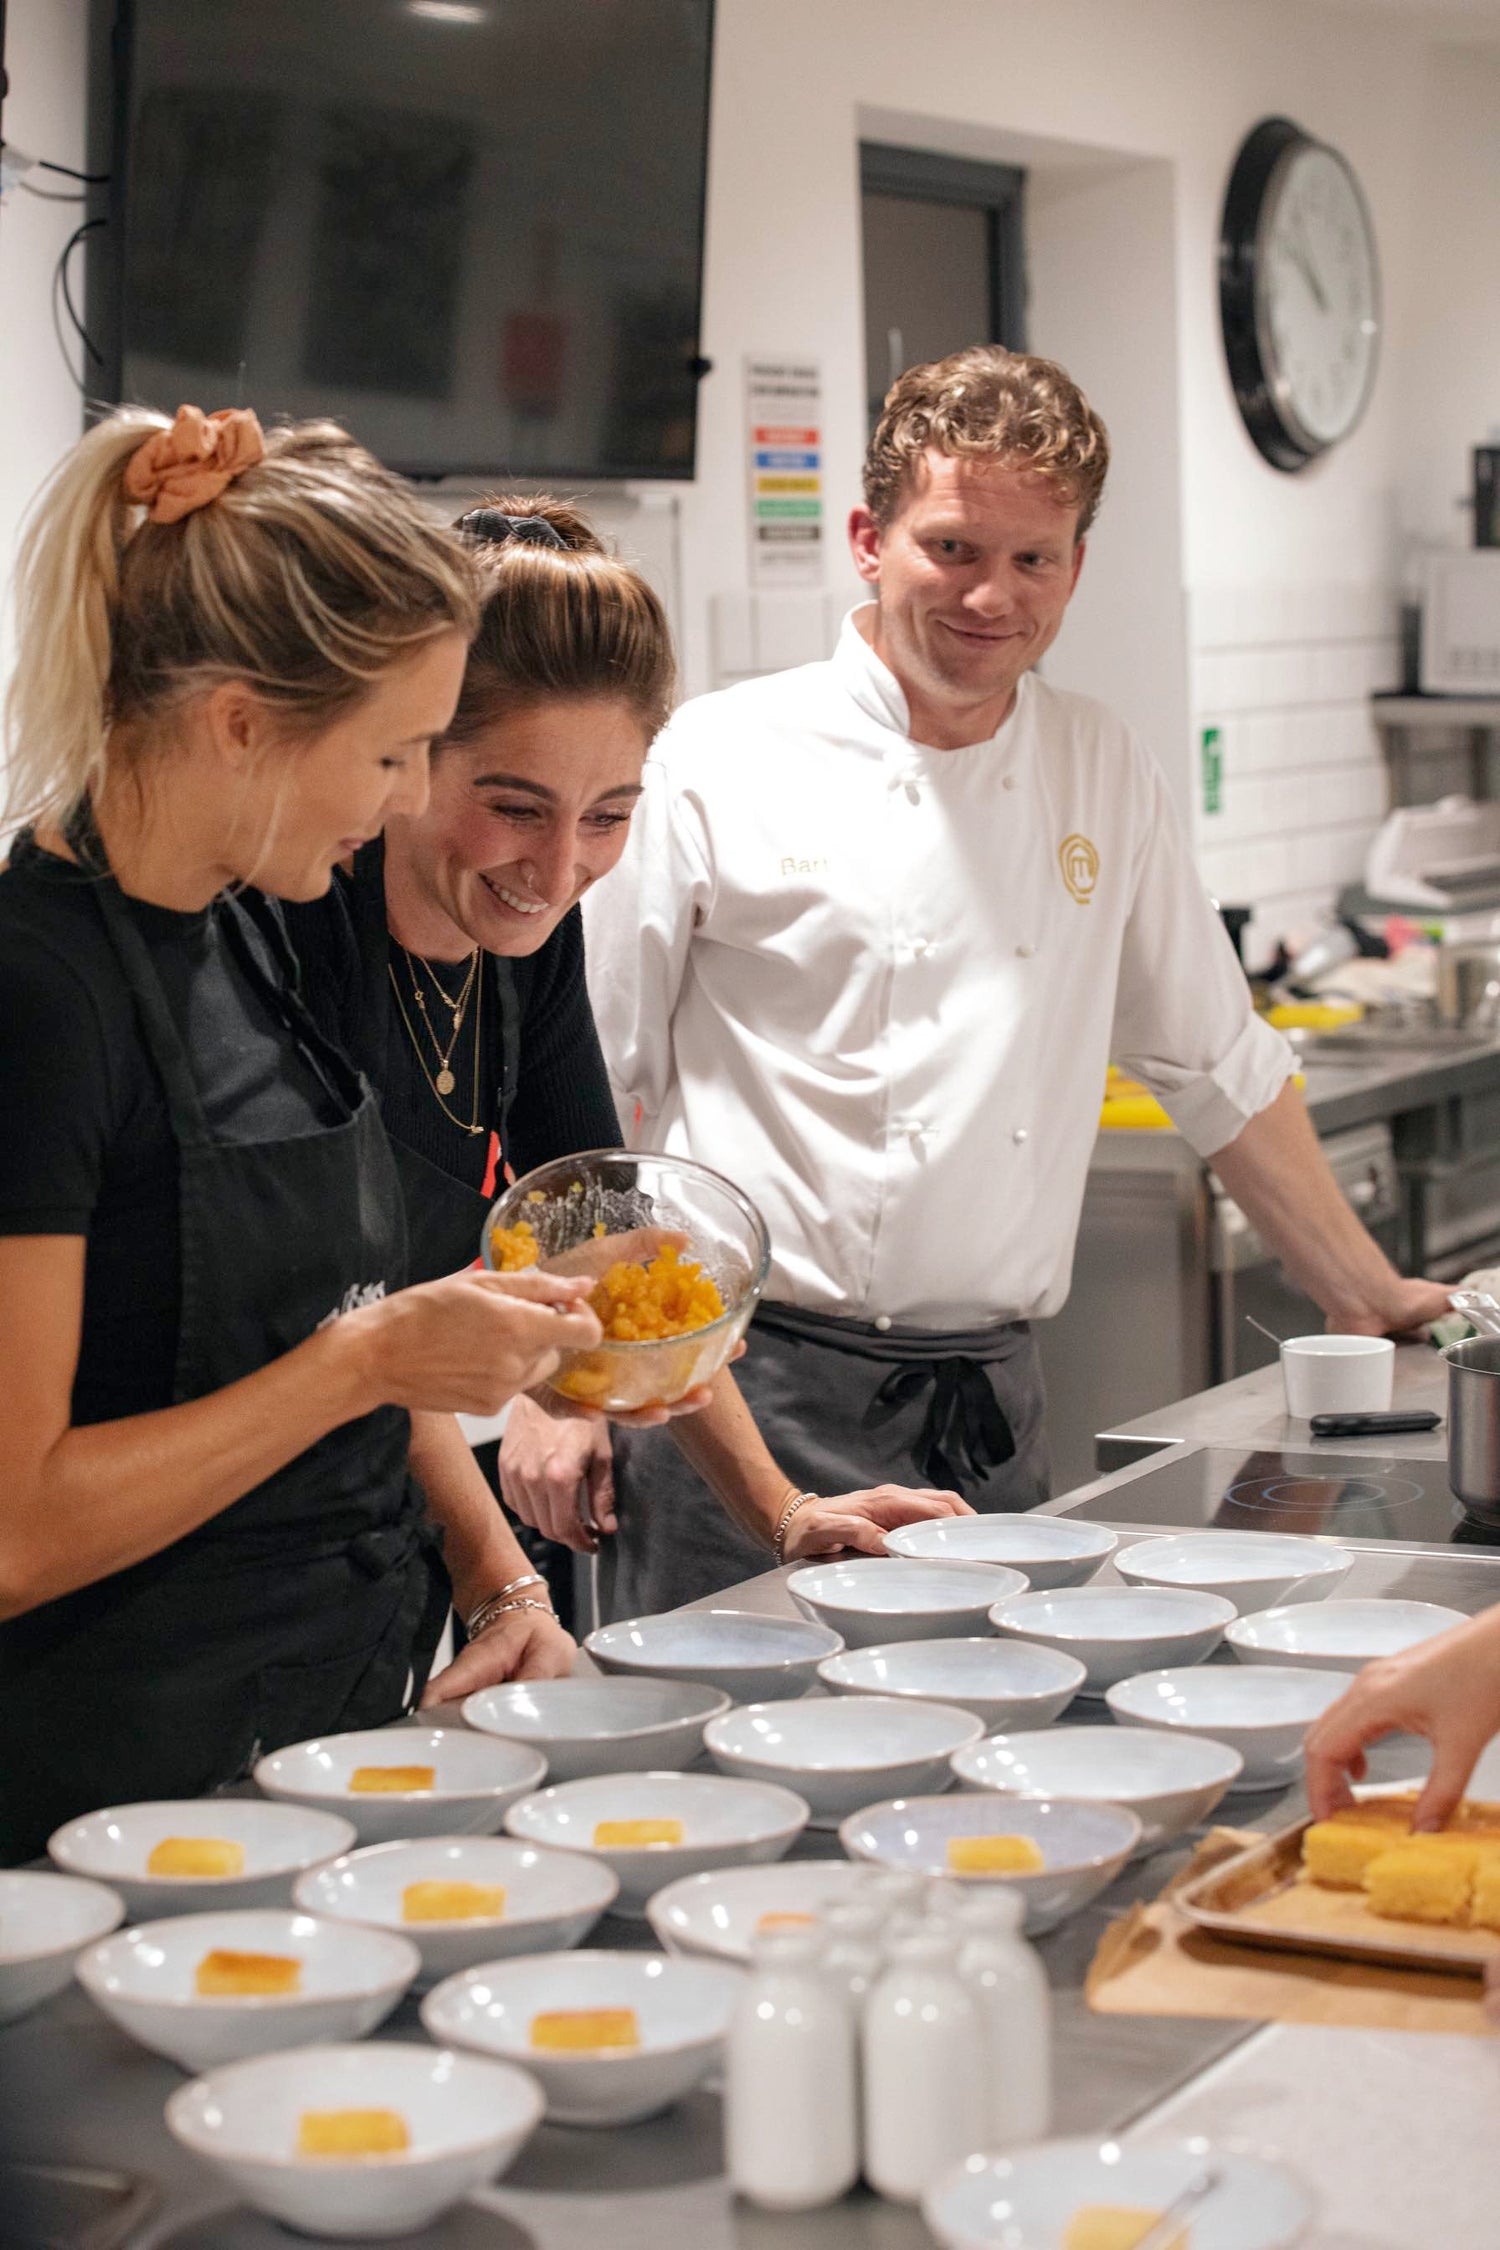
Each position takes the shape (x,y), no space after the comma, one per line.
(1425,1879)
(372,1780)
(436,1901)
(223,1974)
(994,1855)
(352,2132)
(634,1835)
(207,1856)
(1484,1906)
(585,2030)
(1337,1852)
(1114,2226)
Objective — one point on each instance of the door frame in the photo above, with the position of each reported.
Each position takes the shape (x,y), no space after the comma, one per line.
(999,190)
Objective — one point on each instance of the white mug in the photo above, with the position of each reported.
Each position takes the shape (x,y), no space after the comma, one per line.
(1337,1374)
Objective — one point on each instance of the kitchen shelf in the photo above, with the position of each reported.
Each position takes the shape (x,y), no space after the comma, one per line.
(1426,760)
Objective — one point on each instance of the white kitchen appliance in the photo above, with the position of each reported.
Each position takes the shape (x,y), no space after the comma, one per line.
(1442,858)
(1461,621)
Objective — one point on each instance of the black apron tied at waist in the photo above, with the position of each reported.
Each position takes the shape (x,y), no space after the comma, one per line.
(965,1431)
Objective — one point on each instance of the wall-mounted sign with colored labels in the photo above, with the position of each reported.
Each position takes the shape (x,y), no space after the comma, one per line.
(784,419)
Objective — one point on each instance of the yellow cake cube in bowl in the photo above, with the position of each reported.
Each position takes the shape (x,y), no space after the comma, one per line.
(994,1855)
(439,1901)
(392,1780)
(585,2030)
(225,1974)
(203,1858)
(352,2132)
(635,1835)
(1114,2226)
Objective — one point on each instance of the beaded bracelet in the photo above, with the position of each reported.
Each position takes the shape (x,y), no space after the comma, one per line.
(778,1536)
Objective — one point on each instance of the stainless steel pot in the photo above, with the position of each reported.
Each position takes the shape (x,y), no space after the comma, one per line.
(1468,985)
(1474,1424)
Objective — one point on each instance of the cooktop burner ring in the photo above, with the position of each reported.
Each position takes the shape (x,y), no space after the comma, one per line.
(1309,1488)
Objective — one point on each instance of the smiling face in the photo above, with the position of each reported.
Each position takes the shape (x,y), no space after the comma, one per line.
(972,576)
(520,822)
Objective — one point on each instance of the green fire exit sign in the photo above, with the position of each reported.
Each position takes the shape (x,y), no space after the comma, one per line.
(1212,758)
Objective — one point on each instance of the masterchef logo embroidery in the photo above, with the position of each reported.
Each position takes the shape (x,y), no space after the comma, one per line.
(1079,862)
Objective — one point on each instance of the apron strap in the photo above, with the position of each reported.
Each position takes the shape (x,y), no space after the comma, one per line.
(257,934)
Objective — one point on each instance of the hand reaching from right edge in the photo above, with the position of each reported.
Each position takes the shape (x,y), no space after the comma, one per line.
(1446,1690)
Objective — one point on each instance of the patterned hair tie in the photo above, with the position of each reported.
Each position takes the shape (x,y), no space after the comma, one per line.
(493,527)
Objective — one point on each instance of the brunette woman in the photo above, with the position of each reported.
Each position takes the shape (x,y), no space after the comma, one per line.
(234,655)
(457,980)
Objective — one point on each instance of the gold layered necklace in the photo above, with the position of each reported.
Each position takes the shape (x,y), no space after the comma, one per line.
(441,1078)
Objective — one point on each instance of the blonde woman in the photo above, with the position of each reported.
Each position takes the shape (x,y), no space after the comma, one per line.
(235,652)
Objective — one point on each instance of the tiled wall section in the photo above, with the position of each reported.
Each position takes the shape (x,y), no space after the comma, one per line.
(1285,674)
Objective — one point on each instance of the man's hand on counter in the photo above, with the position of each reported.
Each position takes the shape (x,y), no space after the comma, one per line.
(860,1520)
(1409,1307)
(526,1645)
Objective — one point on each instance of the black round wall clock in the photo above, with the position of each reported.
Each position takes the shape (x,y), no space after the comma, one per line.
(1299,293)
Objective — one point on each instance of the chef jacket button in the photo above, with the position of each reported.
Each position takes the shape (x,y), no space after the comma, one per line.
(882,1321)
(913,794)
(1025,952)
(1020,1134)
(919,946)
(1007,781)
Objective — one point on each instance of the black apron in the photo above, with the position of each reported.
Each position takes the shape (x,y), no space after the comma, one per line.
(842,1406)
(312,1602)
(444,1216)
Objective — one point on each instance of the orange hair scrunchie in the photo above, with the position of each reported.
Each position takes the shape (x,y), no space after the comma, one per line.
(183,468)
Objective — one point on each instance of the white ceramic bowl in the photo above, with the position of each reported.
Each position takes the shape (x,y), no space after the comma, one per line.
(585,1725)
(280,1842)
(725,1823)
(552,1899)
(719,1914)
(1047,1550)
(752,1658)
(1262,1712)
(1026,2201)
(682,2009)
(475,1776)
(1117,1630)
(45,1922)
(1170,1782)
(879,1598)
(1338,1635)
(1252,1569)
(843,1752)
(1337,1375)
(142,1979)
(1084,1845)
(1003,1683)
(467,2119)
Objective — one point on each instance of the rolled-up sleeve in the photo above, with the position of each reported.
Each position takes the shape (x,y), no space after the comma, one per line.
(1184,1021)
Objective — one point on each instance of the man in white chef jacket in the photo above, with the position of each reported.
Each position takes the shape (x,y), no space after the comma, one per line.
(881,925)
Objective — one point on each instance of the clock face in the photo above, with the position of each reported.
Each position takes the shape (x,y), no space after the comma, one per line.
(1299,293)
(1317,296)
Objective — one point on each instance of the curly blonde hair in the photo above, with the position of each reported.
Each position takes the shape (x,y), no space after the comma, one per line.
(985,403)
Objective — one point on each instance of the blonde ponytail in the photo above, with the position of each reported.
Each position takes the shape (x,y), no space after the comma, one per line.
(309,574)
(67,589)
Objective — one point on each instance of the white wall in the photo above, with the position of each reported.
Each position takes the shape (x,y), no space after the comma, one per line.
(40,414)
(1232,595)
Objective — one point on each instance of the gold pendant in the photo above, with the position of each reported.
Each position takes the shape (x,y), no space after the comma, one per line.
(445,1081)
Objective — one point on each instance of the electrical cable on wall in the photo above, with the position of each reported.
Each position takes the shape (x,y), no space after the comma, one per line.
(15,163)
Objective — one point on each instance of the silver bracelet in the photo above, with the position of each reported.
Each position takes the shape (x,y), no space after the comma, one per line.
(506,1609)
(511,1586)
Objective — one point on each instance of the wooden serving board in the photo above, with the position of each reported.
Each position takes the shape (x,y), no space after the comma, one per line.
(1261,1897)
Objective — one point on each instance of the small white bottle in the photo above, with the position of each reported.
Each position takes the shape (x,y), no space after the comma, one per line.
(790,2115)
(853,1954)
(924,2064)
(1005,1976)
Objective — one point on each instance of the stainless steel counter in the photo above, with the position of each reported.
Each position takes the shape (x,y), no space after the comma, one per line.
(1252,1412)
(76,2090)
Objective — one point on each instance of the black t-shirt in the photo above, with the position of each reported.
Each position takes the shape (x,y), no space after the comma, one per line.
(86,1144)
(555,1099)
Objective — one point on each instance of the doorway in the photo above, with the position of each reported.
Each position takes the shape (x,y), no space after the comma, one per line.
(943,259)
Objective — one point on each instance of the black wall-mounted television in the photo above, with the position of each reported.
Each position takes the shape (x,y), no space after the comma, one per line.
(471,230)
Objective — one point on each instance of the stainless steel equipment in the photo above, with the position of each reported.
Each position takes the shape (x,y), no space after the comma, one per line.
(1468,985)
(1474,1424)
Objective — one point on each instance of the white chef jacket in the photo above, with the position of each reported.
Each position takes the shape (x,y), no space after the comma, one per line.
(878,985)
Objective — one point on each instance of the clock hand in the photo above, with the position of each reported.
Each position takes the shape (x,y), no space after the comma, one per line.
(1303,262)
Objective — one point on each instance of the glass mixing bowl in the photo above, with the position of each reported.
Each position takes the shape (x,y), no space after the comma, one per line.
(589,1212)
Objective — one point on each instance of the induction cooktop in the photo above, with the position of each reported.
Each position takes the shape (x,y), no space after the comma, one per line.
(1322,1495)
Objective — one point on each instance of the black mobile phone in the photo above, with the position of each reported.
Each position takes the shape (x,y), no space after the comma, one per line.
(1373,1425)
